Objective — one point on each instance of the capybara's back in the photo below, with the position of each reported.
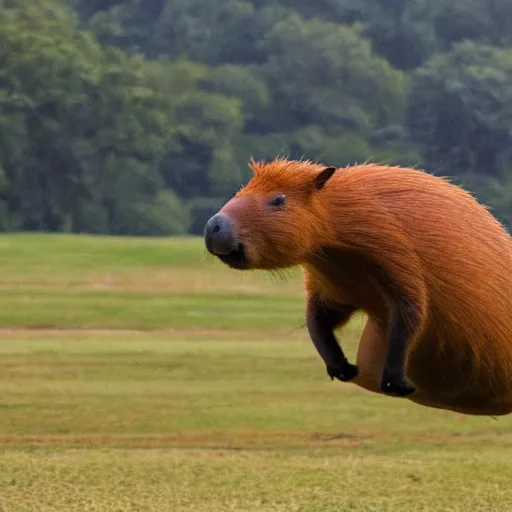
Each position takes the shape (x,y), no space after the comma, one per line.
(465,257)
(430,266)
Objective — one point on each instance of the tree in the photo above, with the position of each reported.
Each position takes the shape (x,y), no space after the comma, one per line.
(78,126)
(326,74)
(460,110)
(116,112)
(483,21)
(500,199)
(202,163)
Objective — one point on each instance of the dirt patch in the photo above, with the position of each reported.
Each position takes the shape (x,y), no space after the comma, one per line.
(35,332)
(257,439)
(222,440)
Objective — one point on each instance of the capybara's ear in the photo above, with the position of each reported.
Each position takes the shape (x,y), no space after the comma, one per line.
(322,178)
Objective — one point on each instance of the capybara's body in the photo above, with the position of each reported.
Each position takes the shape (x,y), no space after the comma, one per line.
(430,266)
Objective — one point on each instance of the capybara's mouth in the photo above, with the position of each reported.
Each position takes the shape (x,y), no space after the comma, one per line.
(236,258)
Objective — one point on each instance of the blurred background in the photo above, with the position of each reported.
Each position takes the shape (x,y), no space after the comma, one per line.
(138,117)
(138,374)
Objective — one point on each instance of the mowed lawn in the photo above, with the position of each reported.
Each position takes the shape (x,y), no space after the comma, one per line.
(141,375)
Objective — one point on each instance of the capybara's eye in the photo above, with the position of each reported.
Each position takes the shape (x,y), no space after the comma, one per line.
(277,200)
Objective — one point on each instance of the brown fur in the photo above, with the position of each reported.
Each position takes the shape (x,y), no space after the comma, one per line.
(375,232)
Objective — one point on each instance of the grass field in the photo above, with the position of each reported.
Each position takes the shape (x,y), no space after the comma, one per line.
(139,375)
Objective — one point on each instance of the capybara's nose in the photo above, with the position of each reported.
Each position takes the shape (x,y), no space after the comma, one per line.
(218,235)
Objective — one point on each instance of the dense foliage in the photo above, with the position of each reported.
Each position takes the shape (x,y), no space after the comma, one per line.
(137,117)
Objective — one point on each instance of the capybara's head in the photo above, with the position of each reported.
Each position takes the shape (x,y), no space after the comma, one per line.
(273,222)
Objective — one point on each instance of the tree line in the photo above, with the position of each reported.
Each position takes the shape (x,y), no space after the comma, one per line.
(136,117)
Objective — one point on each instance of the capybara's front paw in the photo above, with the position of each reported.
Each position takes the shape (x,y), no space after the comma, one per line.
(345,372)
(396,384)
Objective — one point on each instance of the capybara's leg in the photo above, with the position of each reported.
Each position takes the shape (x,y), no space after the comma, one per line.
(321,321)
(393,376)
(371,355)
(371,359)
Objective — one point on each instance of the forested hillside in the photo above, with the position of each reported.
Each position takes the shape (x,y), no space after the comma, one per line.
(139,116)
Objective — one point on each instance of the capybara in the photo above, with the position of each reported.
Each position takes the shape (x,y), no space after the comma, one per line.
(429,266)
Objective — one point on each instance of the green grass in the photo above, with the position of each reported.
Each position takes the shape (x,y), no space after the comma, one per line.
(217,402)
(120,283)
